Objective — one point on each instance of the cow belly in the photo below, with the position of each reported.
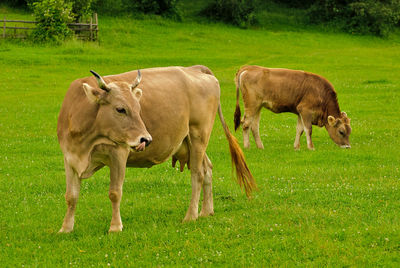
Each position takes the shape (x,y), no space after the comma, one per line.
(142,163)
(150,158)
(278,108)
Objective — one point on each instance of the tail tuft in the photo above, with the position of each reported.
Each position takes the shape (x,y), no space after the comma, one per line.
(243,175)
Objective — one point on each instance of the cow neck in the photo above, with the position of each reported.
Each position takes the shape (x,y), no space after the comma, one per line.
(83,142)
(80,159)
(332,108)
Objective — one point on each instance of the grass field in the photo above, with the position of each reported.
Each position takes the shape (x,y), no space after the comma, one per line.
(328,207)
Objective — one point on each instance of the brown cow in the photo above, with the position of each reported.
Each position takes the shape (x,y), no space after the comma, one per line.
(308,95)
(111,121)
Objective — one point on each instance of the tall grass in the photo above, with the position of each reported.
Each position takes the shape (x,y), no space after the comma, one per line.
(330,207)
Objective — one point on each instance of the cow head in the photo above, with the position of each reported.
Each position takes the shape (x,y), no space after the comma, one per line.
(339,130)
(118,117)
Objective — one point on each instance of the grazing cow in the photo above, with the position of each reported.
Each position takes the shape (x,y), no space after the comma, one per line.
(308,95)
(112,122)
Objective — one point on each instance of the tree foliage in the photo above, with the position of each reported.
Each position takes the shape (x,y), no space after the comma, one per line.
(377,17)
(52,17)
(295,3)
(17,3)
(81,8)
(166,8)
(358,16)
(236,12)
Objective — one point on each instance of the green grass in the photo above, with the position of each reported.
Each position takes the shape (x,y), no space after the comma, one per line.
(330,207)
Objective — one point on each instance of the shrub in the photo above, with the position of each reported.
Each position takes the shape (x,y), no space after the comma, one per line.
(374,17)
(110,7)
(17,3)
(236,12)
(81,8)
(358,16)
(303,4)
(166,8)
(52,18)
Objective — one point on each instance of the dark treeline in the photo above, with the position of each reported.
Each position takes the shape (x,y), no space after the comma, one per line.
(80,8)
(377,17)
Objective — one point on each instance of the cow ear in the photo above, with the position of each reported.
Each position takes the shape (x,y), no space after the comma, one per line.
(345,118)
(137,93)
(92,93)
(331,120)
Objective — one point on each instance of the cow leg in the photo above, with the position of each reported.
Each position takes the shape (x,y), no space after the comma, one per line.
(307,123)
(246,140)
(299,132)
(208,206)
(255,129)
(117,175)
(251,121)
(197,153)
(71,197)
(246,122)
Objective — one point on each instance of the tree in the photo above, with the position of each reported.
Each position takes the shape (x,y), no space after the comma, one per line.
(52,18)
(358,16)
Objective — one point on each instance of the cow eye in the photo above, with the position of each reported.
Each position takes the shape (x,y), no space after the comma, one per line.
(121,110)
(341,132)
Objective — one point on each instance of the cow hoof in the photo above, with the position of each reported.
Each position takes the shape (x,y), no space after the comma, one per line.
(189,218)
(311,149)
(206,213)
(115,229)
(65,230)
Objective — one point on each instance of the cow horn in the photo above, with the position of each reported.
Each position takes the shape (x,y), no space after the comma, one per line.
(137,80)
(100,81)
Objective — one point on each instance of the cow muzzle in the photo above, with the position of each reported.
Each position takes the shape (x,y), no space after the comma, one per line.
(346,146)
(144,142)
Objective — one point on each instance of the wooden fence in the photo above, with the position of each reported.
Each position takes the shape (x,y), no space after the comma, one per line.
(22,29)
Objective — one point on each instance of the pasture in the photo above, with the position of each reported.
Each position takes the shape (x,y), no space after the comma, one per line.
(328,207)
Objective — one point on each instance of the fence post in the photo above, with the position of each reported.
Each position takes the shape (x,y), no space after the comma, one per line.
(4,27)
(97,26)
(91,25)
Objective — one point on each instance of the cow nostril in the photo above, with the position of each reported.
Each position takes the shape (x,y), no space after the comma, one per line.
(147,141)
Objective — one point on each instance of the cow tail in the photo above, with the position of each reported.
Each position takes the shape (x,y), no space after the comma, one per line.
(243,175)
(237,115)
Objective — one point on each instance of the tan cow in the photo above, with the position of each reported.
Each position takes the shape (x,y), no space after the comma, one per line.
(308,95)
(112,122)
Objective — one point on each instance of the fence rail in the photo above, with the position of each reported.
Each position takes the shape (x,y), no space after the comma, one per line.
(18,29)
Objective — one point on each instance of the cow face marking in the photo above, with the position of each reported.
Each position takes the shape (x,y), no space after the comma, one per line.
(339,130)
